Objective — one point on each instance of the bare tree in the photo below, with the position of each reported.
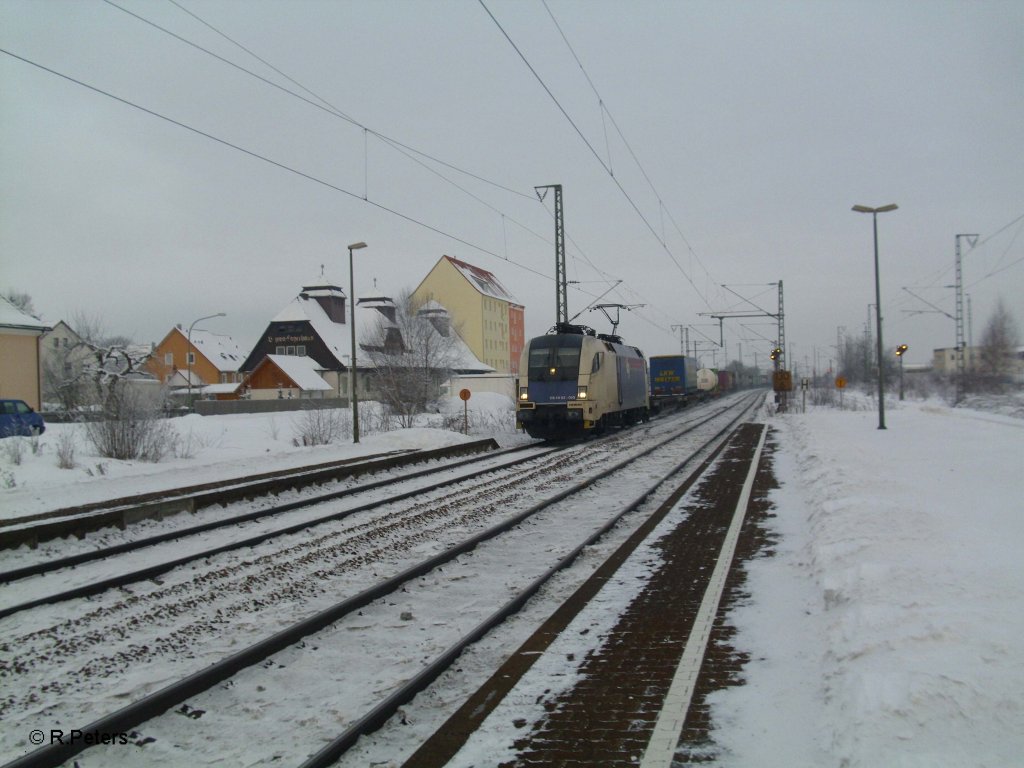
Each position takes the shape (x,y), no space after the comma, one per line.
(107,375)
(412,352)
(21,300)
(999,343)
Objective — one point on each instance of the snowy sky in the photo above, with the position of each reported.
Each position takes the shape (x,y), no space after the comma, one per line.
(757,126)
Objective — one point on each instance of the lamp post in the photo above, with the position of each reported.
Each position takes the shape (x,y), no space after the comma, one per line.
(900,349)
(878,306)
(352,368)
(188,352)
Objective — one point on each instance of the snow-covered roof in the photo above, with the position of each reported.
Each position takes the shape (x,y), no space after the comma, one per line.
(220,389)
(305,308)
(219,349)
(482,280)
(304,371)
(336,336)
(12,317)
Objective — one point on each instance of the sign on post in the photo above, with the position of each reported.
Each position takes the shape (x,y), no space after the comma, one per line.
(465,394)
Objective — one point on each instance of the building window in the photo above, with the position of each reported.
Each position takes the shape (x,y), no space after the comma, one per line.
(301,350)
(169,358)
(279,351)
(291,351)
(191,358)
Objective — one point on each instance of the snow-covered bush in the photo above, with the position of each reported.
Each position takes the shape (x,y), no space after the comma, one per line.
(132,425)
(320,426)
(14,450)
(66,445)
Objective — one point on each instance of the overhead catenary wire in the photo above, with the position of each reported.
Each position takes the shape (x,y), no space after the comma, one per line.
(595,153)
(402,148)
(625,141)
(270,161)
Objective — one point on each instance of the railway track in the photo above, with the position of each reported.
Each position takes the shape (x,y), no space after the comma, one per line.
(383,544)
(122,512)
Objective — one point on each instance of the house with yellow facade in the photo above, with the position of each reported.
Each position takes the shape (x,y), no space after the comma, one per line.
(20,377)
(486,316)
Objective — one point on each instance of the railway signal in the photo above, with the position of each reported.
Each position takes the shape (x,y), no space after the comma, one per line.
(900,349)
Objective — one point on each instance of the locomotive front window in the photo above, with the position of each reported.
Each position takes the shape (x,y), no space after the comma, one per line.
(555,358)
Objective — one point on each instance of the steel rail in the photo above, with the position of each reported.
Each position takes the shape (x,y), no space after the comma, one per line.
(47,566)
(380,714)
(123,511)
(149,572)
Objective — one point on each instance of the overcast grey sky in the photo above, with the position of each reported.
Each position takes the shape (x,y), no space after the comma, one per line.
(757,125)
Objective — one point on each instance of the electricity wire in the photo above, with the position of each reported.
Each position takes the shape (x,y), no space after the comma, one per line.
(595,153)
(270,161)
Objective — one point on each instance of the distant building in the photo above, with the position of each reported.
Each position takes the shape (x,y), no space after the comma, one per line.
(20,376)
(212,358)
(64,359)
(315,324)
(287,377)
(944,361)
(486,316)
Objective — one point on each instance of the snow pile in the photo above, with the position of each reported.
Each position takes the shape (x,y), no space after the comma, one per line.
(887,629)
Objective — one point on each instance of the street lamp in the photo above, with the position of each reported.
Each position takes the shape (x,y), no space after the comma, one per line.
(188,352)
(352,368)
(900,349)
(878,306)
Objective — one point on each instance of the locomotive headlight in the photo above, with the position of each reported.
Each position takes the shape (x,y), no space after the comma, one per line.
(581,393)
(524,393)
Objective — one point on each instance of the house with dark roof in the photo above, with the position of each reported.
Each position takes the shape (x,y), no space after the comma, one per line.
(315,325)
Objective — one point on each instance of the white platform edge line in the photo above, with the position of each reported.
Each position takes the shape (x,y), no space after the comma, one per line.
(669,727)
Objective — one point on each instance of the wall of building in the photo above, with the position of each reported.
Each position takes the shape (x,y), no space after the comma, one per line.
(516,335)
(175,344)
(493,329)
(19,372)
(448,287)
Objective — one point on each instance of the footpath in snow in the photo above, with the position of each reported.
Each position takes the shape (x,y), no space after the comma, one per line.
(888,628)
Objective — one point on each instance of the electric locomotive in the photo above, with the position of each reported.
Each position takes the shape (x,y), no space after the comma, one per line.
(574,381)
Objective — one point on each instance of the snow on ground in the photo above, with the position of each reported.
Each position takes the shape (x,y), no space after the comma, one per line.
(888,628)
(210,448)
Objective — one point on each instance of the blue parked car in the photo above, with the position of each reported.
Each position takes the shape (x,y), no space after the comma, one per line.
(18,418)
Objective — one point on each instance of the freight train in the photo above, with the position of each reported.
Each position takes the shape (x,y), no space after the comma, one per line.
(573,382)
(673,382)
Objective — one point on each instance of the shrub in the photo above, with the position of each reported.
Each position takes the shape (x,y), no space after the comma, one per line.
(132,426)
(66,444)
(319,425)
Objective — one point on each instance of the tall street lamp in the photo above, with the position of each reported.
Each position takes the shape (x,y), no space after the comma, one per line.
(352,368)
(878,307)
(188,352)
